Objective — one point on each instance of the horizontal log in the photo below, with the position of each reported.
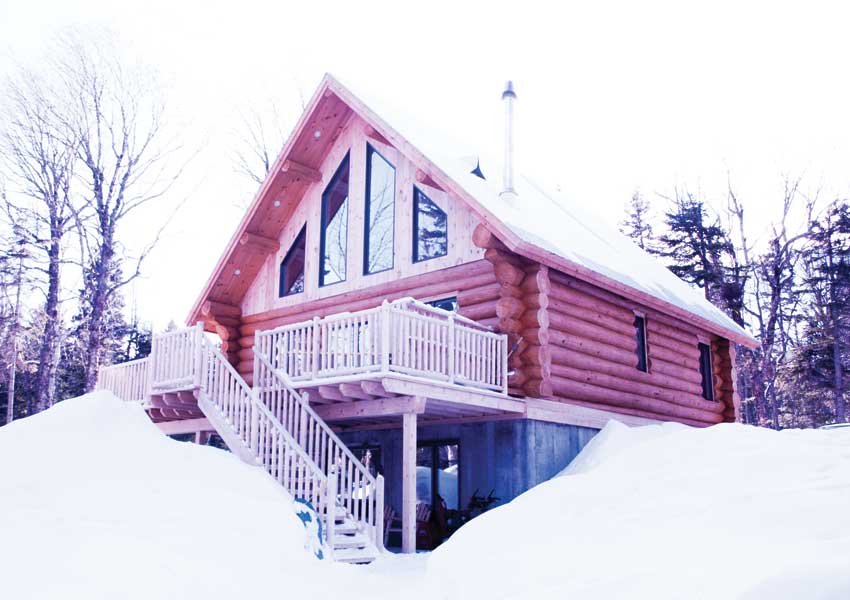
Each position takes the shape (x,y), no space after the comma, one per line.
(568,294)
(657,339)
(219,308)
(685,374)
(675,358)
(484,238)
(227,333)
(585,330)
(508,273)
(476,312)
(509,308)
(477,295)
(535,319)
(656,326)
(495,256)
(536,279)
(637,413)
(592,393)
(562,343)
(536,335)
(538,388)
(618,384)
(245,366)
(580,360)
(246,354)
(536,300)
(246,341)
(227,321)
(563,311)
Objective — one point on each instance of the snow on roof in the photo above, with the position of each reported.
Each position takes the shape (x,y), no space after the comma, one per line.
(548,220)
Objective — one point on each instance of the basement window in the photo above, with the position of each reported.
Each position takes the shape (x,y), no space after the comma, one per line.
(449,304)
(380,213)
(334,234)
(706,372)
(640,348)
(430,228)
(292,267)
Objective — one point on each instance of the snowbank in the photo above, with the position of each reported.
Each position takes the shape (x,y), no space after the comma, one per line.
(96,503)
(728,512)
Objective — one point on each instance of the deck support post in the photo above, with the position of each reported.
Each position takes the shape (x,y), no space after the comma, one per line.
(408,485)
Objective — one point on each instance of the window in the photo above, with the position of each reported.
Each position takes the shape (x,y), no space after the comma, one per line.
(640,338)
(334,238)
(706,371)
(430,230)
(449,304)
(292,267)
(437,473)
(380,209)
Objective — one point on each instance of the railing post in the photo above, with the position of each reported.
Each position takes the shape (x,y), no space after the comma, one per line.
(314,356)
(505,367)
(330,508)
(451,350)
(254,439)
(199,357)
(386,325)
(379,512)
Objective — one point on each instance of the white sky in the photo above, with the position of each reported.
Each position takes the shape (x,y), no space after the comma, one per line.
(612,96)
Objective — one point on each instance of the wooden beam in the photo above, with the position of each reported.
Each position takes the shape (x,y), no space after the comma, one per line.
(374,388)
(373,133)
(425,179)
(361,409)
(408,484)
(297,169)
(329,392)
(211,308)
(259,241)
(186,426)
(354,391)
(449,394)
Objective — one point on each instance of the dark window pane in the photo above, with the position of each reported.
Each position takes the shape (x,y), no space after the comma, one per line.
(380,209)
(705,371)
(334,239)
(640,339)
(292,267)
(449,304)
(437,466)
(430,228)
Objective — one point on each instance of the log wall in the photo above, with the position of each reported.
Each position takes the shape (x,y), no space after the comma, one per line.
(474,284)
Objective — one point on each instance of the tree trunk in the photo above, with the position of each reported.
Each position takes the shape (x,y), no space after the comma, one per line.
(99,299)
(45,376)
(13,369)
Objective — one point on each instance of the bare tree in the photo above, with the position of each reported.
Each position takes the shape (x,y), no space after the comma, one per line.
(116,117)
(38,159)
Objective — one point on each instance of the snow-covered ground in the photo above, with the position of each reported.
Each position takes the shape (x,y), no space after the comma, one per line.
(96,503)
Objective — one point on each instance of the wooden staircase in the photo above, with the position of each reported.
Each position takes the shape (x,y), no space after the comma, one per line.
(270,425)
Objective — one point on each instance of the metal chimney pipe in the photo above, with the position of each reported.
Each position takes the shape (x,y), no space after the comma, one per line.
(509,97)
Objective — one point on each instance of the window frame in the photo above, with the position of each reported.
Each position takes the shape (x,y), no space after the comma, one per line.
(300,238)
(367,229)
(415,256)
(345,163)
(706,371)
(434,445)
(642,348)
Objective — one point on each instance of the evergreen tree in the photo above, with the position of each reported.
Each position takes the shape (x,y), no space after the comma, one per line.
(826,255)
(637,224)
(696,246)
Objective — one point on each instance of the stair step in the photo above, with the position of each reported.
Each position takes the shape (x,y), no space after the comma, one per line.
(357,556)
(357,540)
(348,526)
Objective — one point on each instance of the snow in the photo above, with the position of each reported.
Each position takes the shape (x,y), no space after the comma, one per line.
(96,503)
(547,219)
(663,512)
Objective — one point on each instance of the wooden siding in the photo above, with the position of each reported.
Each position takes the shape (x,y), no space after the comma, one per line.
(262,295)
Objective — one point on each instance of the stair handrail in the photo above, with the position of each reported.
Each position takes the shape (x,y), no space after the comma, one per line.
(254,430)
(329,450)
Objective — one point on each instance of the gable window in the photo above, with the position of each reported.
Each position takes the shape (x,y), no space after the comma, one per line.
(640,349)
(706,372)
(292,267)
(334,235)
(430,228)
(380,213)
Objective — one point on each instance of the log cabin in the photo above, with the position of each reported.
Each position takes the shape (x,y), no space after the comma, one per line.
(398,326)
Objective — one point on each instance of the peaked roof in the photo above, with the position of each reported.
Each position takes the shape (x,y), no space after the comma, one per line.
(538,224)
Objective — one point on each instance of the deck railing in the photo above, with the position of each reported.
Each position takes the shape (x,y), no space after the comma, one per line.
(405,336)
(175,359)
(129,380)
